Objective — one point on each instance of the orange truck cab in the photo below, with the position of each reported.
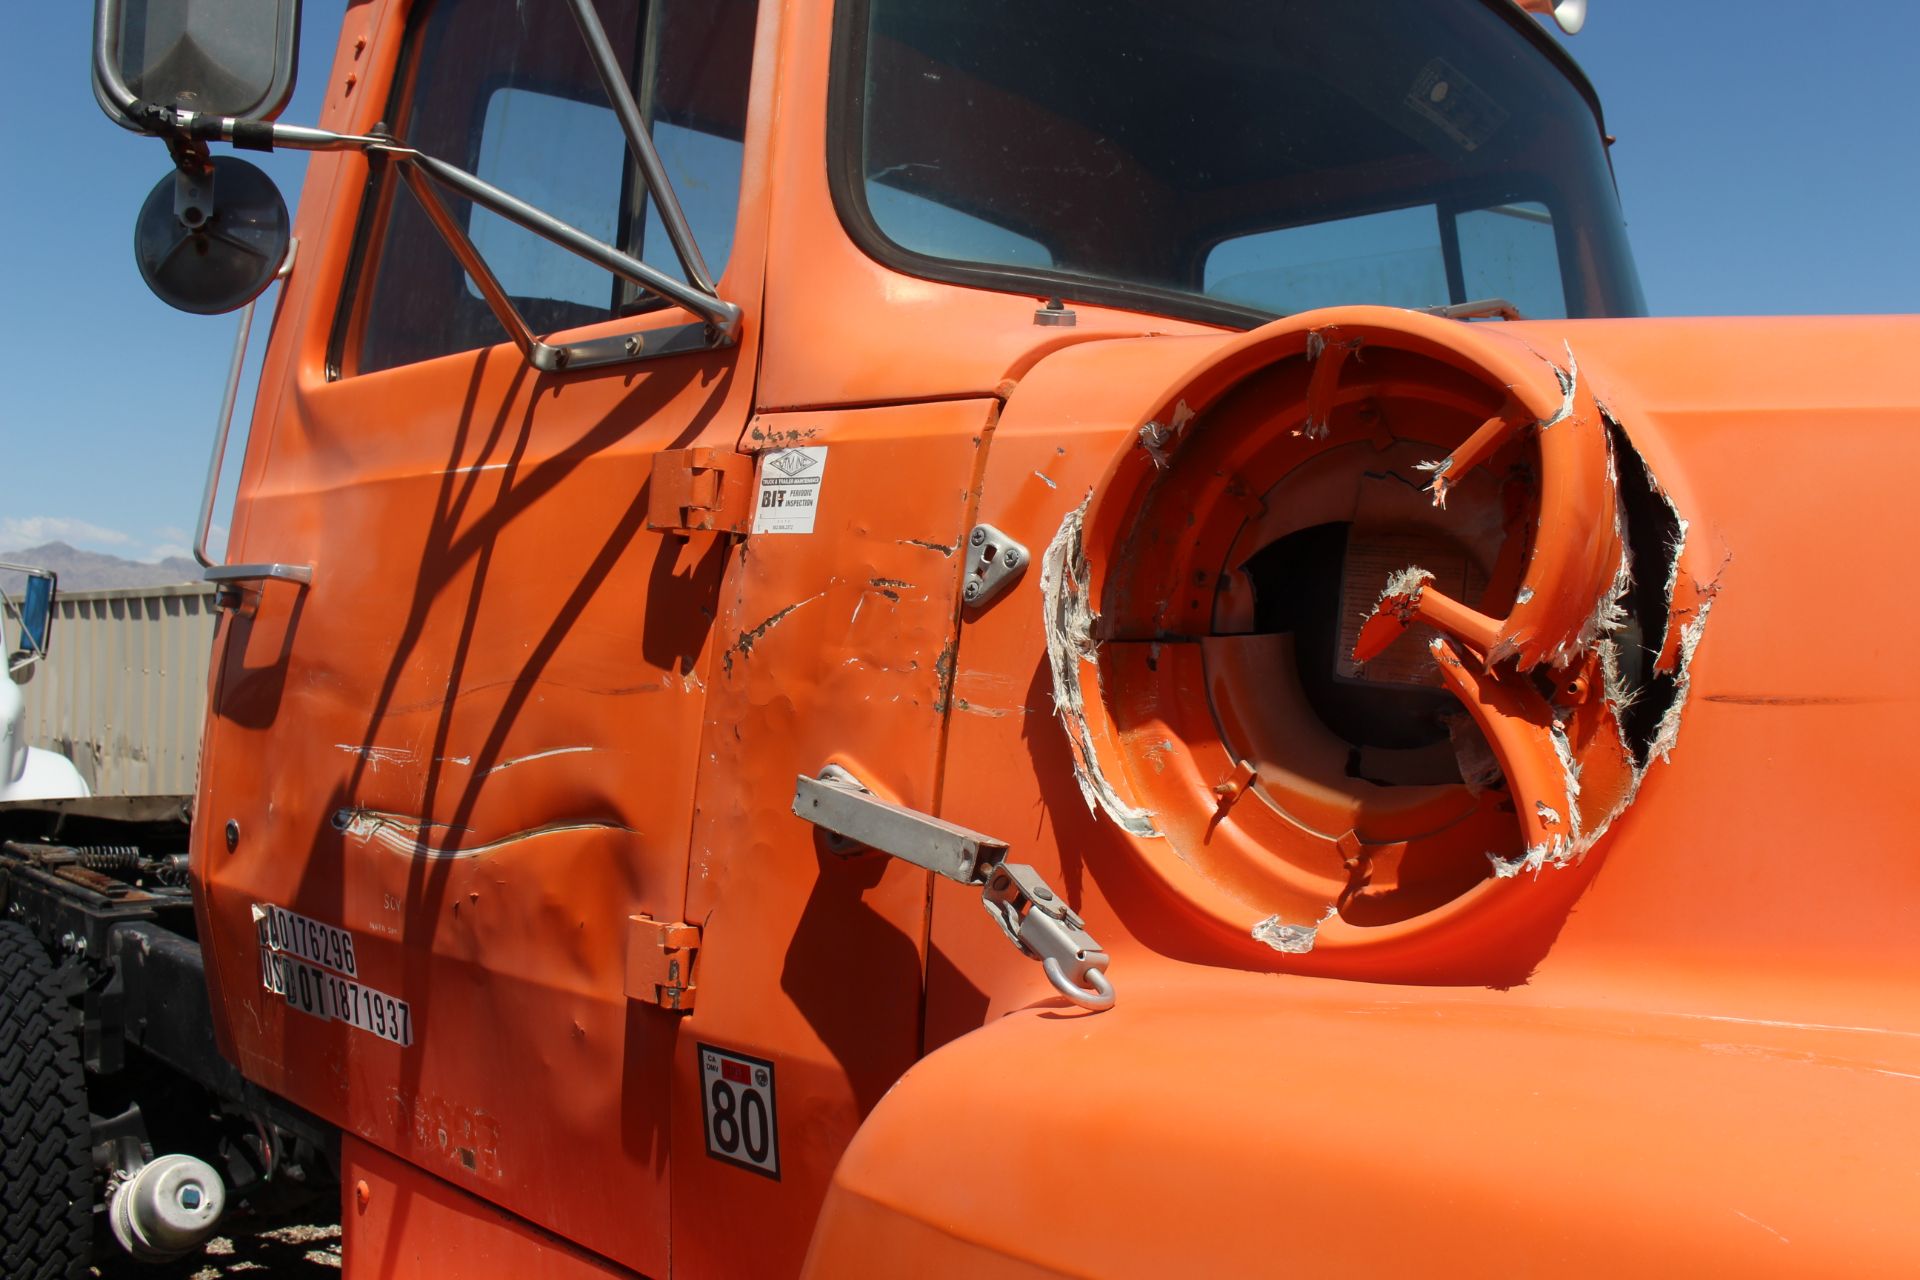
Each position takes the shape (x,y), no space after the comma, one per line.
(995,640)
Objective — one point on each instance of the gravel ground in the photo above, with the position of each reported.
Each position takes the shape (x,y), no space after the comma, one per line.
(308,1252)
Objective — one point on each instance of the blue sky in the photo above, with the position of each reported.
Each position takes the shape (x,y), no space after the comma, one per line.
(1767,159)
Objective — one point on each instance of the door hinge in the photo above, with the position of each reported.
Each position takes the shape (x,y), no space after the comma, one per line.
(1036,920)
(660,958)
(701,489)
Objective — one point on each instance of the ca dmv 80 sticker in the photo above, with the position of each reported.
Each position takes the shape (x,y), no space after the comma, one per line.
(312,966)
(736,1096)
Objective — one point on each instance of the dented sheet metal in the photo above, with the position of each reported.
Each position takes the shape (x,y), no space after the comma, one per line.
(843,648)
(484,678)
(419,838)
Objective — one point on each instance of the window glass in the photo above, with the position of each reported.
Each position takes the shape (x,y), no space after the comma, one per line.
(506,90)
(519,127)
(914,219)
(1392,258)
(1508,251)
(1223,157)
(705,171)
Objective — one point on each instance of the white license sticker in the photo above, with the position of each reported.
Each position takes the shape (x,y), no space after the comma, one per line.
(287,933)
(736,1093)
(332,998)
(788,494)
(312,966)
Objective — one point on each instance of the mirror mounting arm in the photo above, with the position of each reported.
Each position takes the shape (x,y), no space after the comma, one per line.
(187,134)
(115,97)
(640,142)
(190,155)
(531,348)
(722,315)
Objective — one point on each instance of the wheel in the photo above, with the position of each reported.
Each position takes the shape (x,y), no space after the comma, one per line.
(46,1176)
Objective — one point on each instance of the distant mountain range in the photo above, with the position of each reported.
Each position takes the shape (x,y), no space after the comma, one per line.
(92,571)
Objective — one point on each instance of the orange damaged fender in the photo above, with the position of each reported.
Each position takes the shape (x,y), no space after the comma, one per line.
(1237,1124)
(1680,1047)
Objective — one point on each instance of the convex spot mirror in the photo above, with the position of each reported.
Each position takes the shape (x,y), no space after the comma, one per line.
(209,241)
(217,57)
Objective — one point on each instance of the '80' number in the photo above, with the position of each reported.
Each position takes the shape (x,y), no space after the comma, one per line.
(741,1117)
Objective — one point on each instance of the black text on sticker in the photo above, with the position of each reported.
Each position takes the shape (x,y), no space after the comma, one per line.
(292,934)
(332,998)
(736,1094)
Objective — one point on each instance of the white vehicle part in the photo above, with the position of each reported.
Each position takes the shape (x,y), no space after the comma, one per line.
(28,773)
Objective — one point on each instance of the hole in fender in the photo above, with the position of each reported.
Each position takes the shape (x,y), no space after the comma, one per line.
(1653,535)
(1382,748)
(1304,585)
(1284,779)
(1380,754)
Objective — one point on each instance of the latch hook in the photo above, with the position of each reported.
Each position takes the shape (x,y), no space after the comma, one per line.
(1034,918)
(1045,929)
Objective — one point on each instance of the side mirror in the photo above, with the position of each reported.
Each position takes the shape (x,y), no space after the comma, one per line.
(35,614)
(215,57)
(209,240)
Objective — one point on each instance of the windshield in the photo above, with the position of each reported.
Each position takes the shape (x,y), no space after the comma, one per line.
(1230,159)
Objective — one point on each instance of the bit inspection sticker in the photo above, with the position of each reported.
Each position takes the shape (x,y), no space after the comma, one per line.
(736,1095)
(787,495)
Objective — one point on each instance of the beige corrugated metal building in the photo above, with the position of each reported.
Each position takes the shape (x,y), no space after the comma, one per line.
(124,686)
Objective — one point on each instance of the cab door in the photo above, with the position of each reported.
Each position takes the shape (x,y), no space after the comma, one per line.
(441,776)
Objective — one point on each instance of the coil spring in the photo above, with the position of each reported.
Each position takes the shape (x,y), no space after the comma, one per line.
(109,857)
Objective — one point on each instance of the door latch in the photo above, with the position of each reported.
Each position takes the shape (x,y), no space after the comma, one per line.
(1036,920)
(993,561)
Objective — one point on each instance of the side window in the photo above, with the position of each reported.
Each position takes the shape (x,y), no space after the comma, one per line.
(517,131)
(1393,258)
(506,90)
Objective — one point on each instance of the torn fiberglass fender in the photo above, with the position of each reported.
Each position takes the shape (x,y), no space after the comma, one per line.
(1418,612)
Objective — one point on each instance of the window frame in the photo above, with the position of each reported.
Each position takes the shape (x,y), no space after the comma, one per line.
(380,188)
(846,182)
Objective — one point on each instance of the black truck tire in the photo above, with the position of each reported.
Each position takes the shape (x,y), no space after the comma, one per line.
(46,1174)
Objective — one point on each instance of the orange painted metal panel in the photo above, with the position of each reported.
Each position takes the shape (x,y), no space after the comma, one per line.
(450,743)
(1220,1123)
(1707,1036)
(892,337)
(399,1222)
(836,647)
(1690,445)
